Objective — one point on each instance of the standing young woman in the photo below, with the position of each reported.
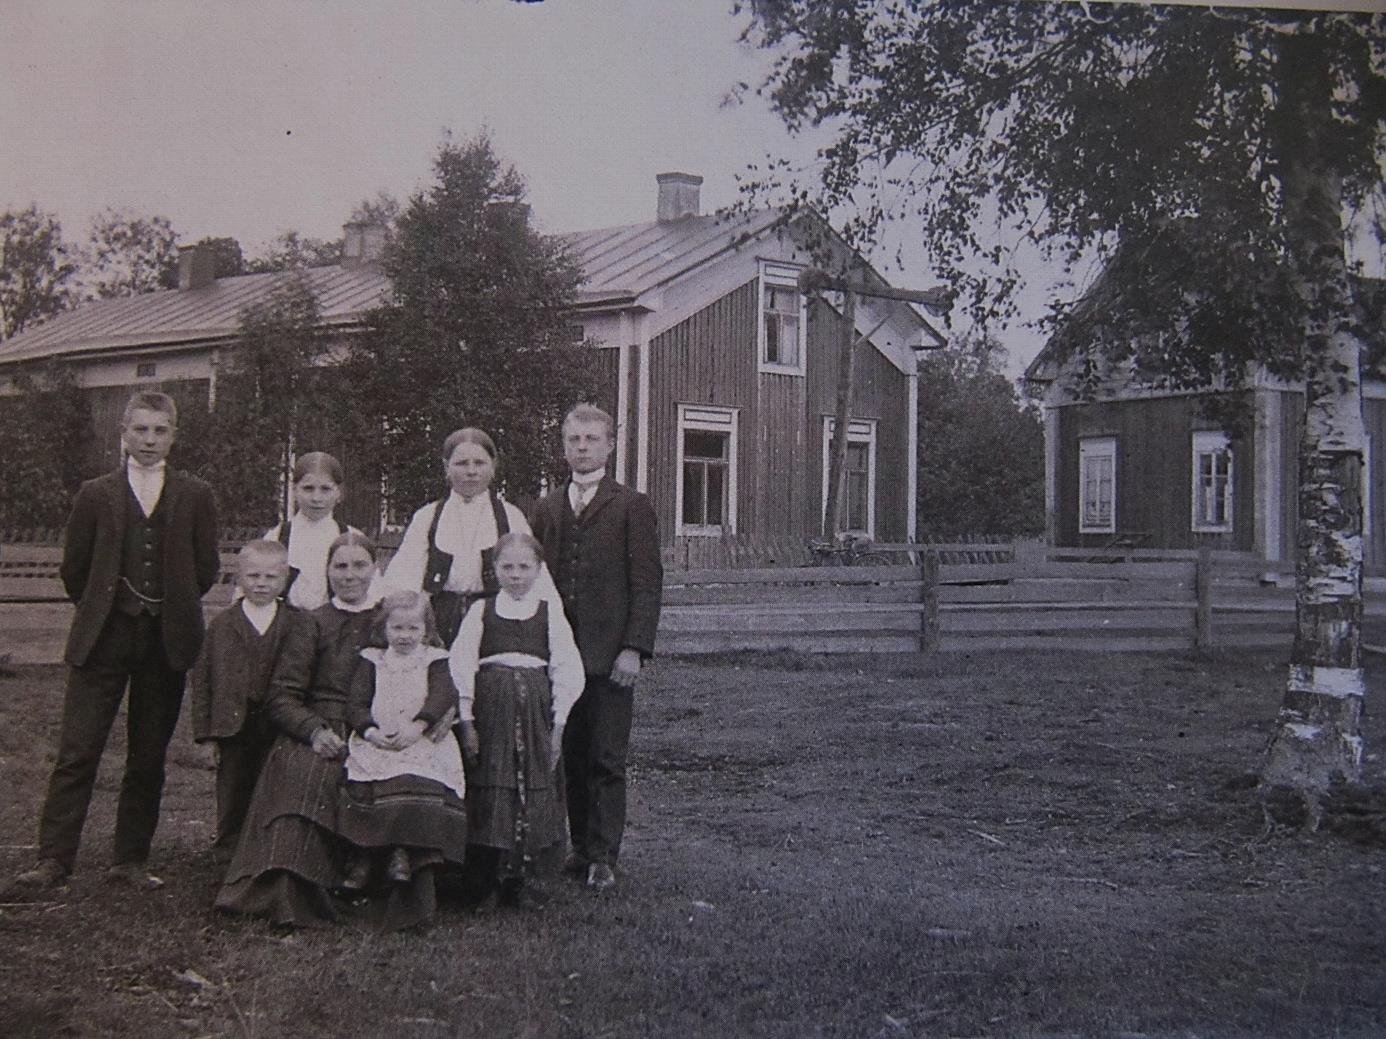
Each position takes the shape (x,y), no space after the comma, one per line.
(448,546)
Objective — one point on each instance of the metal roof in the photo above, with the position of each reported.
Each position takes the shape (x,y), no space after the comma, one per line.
(189,315)
(623,262)
(619,264)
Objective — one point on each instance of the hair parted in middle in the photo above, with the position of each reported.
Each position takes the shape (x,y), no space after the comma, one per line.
(469,435)
(520,537)
(318,463)
(404,601)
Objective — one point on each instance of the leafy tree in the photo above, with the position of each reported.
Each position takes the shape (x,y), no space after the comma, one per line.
(293,251)
(474,333)
(127,255)
(1215,150)
(35,269)
(275,391)
(45,434)
(981,446)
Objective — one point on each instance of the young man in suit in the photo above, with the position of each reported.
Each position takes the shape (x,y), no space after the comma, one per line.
(601,544)
(140,551)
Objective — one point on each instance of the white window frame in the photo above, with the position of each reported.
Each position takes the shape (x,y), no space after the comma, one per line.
(859,431)
(1093,449)
(780,275)
(1210,442)
(709,418)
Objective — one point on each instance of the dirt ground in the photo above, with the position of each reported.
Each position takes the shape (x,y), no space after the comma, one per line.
(1012,846)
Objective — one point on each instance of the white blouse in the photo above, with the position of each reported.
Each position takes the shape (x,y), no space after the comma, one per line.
(309,541)
(566,673)
(465,528)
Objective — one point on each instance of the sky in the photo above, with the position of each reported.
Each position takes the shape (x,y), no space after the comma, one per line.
(249,118)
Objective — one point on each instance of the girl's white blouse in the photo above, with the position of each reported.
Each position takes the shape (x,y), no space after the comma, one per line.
(566,673)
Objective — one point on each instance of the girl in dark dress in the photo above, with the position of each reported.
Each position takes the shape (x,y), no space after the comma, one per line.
(518,674)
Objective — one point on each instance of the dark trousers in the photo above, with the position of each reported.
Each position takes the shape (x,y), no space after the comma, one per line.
(129,651)
(595,744)
(239,761)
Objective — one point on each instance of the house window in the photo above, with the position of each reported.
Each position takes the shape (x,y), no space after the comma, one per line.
(707,471)
(145,370)
(783,321)
(1212,482)
(1097,485)
(859,473)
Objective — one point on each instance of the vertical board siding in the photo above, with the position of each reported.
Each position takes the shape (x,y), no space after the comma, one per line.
(710,358)
(880,392)
(1154,474)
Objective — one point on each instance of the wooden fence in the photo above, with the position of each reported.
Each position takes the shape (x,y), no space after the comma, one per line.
(955,597)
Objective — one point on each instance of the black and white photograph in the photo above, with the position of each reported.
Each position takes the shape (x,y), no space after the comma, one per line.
(630,519)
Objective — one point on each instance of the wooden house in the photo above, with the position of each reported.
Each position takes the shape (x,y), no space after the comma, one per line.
(722,376)
(1134,465)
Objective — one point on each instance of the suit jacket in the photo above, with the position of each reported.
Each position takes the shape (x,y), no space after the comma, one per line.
(90,568)
(232,672)
(612,601)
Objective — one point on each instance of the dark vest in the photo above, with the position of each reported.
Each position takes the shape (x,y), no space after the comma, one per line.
(440,562)
(141,585)
(504,635)
(571,538)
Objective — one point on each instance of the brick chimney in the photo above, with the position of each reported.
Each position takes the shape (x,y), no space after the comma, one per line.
(362,243)
(678,195)
(197,266)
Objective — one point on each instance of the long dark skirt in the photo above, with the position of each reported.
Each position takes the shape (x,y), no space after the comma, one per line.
(292,855)
(513,801)
(289,857)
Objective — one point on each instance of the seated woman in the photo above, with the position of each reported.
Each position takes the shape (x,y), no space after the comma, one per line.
(291,856)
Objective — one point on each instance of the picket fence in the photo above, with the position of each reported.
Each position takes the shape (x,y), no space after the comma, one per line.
(948,597)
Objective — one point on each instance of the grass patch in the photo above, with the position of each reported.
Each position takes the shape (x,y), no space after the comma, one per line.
(1019,845)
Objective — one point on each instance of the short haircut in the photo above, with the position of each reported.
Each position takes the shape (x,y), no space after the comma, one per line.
(352,537)
(590,413)
(150,400)
(266,548)
(520,537)
(414,602)
(468,435)
(320,463)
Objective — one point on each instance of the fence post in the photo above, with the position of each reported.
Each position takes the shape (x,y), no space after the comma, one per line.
(1203,600)
(928,597)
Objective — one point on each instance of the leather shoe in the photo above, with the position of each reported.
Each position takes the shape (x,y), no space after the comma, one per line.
(46,873)
(358,875)
(600,877)
(397,869)
(134,875)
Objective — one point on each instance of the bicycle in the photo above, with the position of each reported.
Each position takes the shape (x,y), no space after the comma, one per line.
(846,548)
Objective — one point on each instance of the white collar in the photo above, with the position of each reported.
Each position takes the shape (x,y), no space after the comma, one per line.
(484,498)
(298,519)
(589,480)
(132,466)
(260,616)
(368,603)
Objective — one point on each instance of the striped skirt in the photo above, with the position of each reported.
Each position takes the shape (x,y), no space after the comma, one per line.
(513,800)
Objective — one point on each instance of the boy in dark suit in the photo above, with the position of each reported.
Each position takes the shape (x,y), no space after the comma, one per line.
(601,544)
(139,553)
(232,674)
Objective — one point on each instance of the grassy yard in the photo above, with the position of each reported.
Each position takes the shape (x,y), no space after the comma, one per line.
(1012,846)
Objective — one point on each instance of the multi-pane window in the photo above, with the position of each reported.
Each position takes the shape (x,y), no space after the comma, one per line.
(1097,485)
(782,320)
(1212,482)
(858,474)
(707,470)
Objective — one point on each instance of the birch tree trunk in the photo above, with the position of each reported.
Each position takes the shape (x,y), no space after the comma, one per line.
(1318,730)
